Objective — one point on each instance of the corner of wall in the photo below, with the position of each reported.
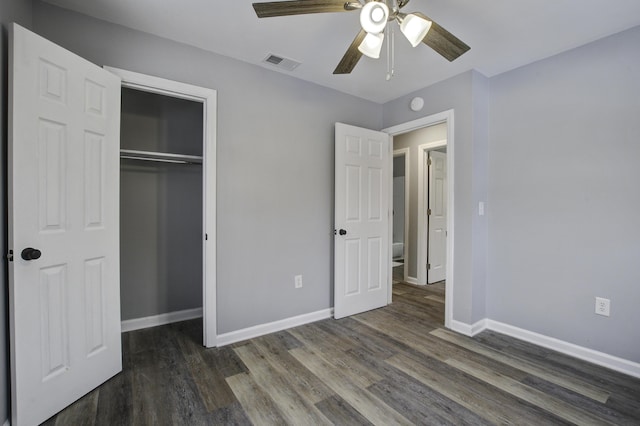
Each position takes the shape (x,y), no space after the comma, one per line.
(480,158)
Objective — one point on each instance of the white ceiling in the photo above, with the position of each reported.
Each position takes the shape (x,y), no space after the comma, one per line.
(503,34)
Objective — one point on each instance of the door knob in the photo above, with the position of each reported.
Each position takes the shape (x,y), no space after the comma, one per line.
(342,232)
(31,254)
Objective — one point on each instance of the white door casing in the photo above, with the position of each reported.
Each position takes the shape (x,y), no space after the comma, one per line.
(447,117)
(437,244)
(362,210)
(63,180)
(208,98)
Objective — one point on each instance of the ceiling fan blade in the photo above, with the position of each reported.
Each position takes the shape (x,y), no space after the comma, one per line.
(297,7)
(352,56)
(442,41)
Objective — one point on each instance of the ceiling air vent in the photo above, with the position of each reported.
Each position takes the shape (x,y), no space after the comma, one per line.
(280,62)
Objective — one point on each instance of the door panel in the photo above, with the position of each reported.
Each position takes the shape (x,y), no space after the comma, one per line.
(437,251)
(362,210)
(63,180)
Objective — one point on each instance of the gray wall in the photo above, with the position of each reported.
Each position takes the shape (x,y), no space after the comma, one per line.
(413,140)
(398,166)
(275,164)
(564,197)
(467,94)
(160,207)
(19,11)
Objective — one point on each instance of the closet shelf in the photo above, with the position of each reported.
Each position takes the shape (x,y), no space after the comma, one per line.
(161,157)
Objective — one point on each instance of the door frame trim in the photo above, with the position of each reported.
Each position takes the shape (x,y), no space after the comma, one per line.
(406,152)
(448,118)
(208,98)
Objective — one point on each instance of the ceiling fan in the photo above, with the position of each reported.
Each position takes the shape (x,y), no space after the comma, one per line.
(374,17)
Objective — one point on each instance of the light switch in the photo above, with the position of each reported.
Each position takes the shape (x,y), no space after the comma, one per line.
(481,208)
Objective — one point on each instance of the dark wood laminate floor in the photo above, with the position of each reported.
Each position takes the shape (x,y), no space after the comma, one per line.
(395,365)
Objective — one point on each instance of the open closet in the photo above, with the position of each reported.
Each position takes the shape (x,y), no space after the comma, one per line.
(167,203)
(160,205)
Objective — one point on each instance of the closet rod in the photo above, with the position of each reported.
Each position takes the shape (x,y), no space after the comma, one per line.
(161,157)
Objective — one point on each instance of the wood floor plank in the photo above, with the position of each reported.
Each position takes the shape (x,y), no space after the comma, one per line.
(567,382)
(302,380)
(231,415)
(367,404)
(224,360)
(313,339)
(213,390)
(601,377)
(339,412)
(599,409)
(627,405)
(257,404)
(421,404)
(527,393)
(115,401)
(429,345)
(495,406)
(82,413)
(293,407)
(162,387)
(365,338)
(435,298)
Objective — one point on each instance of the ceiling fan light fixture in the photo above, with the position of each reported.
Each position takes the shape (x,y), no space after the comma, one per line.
(374,16)
(372,45)
(414,28)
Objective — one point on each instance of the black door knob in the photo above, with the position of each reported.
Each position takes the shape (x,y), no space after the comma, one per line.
(31,254)
(342,232)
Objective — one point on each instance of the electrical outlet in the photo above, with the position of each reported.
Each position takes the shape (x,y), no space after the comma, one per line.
(298,281)
(603,306)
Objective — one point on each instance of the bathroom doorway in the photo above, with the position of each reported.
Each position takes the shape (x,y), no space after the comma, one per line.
(401,199)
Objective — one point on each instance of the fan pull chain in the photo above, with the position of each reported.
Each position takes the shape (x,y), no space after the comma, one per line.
(391,53)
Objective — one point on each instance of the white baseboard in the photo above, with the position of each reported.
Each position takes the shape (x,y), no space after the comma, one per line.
(272,327)
(596,357)
(469,329)
(412,280)
(155,320)
(599,358)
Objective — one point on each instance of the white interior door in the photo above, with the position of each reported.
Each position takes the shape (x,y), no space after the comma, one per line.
(63,183)
(437,251)
(361,219)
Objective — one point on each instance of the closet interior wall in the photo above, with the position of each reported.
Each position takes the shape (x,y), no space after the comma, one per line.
(161,206)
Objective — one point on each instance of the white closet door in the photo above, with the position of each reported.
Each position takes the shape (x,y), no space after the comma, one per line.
(63,183)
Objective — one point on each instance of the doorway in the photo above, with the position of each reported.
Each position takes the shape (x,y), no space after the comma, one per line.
(419,276)
(167,203)
(401,197)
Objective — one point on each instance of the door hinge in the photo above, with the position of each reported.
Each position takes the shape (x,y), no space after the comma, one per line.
(429,161)
(428,266)
(206,237)
(10,256)
(428,212)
